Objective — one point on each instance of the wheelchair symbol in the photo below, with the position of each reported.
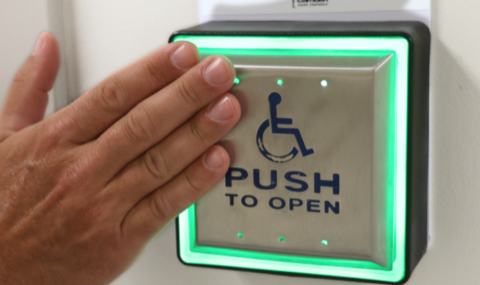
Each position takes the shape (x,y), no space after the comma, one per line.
(274,100)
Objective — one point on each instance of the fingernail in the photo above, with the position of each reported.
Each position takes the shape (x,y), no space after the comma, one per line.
(40,44)
(215,158)
(222,110)
(219,72)
(184,57)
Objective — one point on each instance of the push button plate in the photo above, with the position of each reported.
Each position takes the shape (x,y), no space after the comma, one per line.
(339,129)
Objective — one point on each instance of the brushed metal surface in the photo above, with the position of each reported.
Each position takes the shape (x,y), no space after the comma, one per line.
(345,123)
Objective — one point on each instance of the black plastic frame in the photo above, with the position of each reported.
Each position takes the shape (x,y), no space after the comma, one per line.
(418,36)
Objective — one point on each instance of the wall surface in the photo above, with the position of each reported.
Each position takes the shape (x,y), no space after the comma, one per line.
(21,22)
(102,36)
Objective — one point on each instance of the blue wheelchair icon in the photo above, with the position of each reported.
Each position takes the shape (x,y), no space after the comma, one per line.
(274,100)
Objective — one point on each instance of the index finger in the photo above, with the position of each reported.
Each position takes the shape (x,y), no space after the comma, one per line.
(103,105)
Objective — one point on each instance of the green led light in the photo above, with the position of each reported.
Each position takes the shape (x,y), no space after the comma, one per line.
(240,235)
(279,82)
(324,83)
(396,153)
(325,242)
(236,80)
(282,238)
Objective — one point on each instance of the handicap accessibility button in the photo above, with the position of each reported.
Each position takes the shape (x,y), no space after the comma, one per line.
(309,163)
(274,100)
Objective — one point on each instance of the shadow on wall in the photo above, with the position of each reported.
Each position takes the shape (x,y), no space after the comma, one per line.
(454,161)
(55,19)
(71,53)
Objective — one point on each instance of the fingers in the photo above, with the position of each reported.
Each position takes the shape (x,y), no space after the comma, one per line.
(165,160)
(157,209)
(156,117)
(27,98)
(103,105)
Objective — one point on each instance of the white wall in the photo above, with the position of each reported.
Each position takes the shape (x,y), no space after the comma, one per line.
(102,36)
(21,22)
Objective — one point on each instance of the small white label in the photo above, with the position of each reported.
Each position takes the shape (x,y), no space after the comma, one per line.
(308,3)
(342,10)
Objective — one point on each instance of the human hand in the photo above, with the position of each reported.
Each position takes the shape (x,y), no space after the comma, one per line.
(83,191)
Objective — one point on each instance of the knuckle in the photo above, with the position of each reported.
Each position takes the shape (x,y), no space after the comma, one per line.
(161,207)
(197,132)
(76,173)
(19,78)
(188,93)
(156,165)
(192,184)
(113,95)
(155,74)
(139,126)
(51,135)
(72,178)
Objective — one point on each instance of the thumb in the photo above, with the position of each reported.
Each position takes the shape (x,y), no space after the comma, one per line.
(27,98)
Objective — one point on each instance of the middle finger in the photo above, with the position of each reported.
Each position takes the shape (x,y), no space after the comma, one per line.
(156,117)
(167,159)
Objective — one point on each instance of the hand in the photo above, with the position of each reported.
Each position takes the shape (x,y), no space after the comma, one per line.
(83,191)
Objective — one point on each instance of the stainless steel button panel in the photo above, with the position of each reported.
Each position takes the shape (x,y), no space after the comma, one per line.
(340,107)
